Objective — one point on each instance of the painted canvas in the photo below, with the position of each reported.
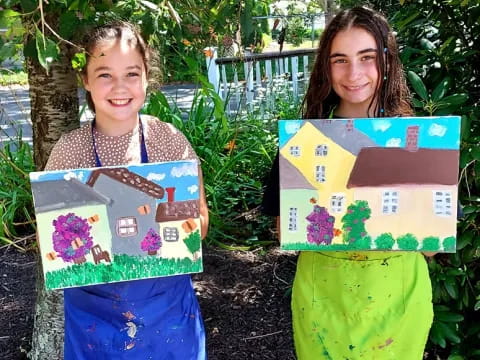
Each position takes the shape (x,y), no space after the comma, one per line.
(113,224)
(369,184)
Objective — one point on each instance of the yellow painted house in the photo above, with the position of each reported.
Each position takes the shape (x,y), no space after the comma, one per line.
(321,154)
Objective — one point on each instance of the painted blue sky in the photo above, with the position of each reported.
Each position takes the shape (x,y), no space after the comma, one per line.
(179,174)
(441,132)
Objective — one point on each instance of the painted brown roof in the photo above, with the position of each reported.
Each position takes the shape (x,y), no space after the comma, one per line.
(376,166)
(177,210)
(129,178)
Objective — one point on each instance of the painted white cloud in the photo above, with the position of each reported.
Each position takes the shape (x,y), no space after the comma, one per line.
(35,176)
(192,189)
(72,175)
(155,176)
(292,127)
(185,170)
(381,125)
(393,142)
(437,130)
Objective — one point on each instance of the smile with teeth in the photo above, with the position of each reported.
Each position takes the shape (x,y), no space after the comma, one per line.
(119,101)
(353,88)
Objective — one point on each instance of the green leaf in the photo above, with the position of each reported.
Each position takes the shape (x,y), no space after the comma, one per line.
(427,44)
(448,332)
(466,127)
(7,17)
(439,91)
(437,336)
(456,99)
(477,306)
(28,5)
(68,24)
(451,288)
(417,103)
(79,60)
(465,239)
(47,50)
(456,357)
(418,85)
(448,317)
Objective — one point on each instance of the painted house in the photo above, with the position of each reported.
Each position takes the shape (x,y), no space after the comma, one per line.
(53,197)
(132,213)
(411,186)
(177,219)
(137,211)
(296,192)
(325,153)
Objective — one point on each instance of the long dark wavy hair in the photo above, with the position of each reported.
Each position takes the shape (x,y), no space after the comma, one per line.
(392,97)
(115,31)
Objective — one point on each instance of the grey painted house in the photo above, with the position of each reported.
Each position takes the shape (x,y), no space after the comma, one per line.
(132,212)
(62,194)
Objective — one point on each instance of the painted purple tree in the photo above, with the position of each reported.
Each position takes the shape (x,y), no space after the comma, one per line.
(320,229)
(71,238)
(151,242)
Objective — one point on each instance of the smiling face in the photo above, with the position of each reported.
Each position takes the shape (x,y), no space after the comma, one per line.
(354,73)
(116,79)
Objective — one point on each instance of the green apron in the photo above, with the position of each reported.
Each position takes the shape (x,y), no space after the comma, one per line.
(363,305)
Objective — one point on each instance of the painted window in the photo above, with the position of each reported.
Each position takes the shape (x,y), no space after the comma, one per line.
(292,219)
(170,234)
(337,203)
(127,226)
(295,151)
(321,150)
(144,209)
(442,203)
(390,202)
(320,173)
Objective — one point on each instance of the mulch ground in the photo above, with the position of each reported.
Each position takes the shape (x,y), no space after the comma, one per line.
(244,297)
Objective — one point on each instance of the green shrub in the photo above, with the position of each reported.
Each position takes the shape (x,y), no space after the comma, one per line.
(384,241)
(431,243)
(407,242)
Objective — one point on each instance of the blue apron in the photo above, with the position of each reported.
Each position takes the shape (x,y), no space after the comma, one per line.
(143,319)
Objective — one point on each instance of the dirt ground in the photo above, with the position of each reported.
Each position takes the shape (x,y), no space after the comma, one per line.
(244,297)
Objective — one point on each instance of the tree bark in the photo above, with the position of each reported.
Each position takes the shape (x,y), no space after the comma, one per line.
(53,102)
(54,111)
(329,7)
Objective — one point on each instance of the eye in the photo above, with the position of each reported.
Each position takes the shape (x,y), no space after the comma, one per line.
(339,61)
(132,74)
(368,57)
(104,75)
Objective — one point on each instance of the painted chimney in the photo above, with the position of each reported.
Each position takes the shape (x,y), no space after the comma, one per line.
(412,139)
(170,193)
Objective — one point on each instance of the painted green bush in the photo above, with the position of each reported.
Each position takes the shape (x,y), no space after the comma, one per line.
(354,221)
(193,242)
(431,243)
(449,243)
(407,242)
(384,241)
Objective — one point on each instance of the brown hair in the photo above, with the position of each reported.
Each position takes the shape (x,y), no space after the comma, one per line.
(117,30)
(392,97)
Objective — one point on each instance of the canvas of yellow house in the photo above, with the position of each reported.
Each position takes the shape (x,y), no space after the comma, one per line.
(369,184)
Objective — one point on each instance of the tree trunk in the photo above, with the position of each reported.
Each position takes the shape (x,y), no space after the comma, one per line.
(53,102)
(329,7)
(54,111)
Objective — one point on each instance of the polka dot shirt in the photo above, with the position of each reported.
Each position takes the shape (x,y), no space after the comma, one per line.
(163,141)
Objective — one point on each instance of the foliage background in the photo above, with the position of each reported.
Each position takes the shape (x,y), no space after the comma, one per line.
(440,49)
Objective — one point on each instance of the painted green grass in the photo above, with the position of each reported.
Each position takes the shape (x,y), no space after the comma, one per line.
(123,268)
(334,247)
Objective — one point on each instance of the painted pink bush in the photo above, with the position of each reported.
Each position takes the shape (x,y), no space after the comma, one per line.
(320,229)
(71,238)
(151,242)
